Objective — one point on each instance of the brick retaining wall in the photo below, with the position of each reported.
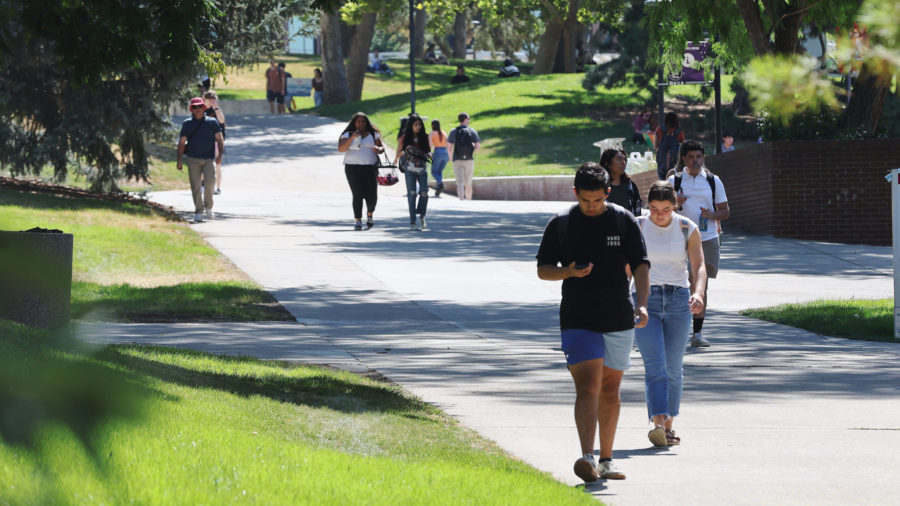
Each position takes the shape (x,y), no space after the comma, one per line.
(832,191)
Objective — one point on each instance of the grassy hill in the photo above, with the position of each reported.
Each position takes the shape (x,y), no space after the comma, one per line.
(530,125)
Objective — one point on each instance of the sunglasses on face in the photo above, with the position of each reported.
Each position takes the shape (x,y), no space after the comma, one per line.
(196,107)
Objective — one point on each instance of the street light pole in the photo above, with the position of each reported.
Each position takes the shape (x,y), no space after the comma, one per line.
(412,57)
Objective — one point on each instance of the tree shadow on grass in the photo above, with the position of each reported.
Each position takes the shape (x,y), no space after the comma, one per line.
(79,201)
(315,390)
(184,302)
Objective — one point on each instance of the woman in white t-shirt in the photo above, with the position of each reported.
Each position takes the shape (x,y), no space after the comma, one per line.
(671,241)
(361,143)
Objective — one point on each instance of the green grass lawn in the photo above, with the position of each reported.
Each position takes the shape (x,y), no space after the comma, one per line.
(133,263)
(529,125)
(869,320)
(222,430)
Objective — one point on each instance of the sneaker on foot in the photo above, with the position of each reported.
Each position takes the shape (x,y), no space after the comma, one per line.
(198,217)
(609,471)
(369,222)
(210,215)
(657,436)
(218,191)
(438,190)
(697,340)
(413,226)
(586,468)
(358,226)
(422,223)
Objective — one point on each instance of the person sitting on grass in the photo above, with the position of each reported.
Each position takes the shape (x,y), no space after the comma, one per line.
(431,56)
(460,76)
(509,70)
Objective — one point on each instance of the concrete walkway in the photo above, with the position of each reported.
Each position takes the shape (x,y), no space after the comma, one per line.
(457,316)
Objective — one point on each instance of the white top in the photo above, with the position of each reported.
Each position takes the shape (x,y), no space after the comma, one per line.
(360,151)
(667,250)
(699,194)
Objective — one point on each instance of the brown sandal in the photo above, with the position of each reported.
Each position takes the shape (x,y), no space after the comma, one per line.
(671,438)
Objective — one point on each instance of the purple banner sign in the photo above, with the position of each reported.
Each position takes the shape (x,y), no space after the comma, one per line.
(691,69)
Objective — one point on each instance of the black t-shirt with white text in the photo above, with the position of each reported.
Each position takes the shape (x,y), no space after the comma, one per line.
(600,301)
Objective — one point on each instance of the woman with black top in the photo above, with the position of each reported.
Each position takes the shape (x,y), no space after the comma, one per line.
(622,190)
(361,144)
(211,99)
(414,146)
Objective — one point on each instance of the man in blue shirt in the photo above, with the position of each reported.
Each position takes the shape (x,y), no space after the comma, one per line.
(200,136)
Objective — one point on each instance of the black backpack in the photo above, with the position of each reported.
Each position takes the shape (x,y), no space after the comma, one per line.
(668,149)
(464,145)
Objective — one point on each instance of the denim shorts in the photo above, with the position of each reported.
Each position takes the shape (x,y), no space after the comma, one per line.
(581,345)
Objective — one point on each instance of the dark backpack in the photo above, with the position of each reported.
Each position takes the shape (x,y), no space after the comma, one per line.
(710,178)
(668,149)
(464,143)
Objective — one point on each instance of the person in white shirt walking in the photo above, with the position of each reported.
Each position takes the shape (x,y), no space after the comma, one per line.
(671,241)
(701,198)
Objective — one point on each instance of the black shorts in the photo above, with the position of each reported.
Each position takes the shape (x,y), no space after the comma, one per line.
(272,96)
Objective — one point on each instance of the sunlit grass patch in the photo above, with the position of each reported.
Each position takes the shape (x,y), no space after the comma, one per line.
(134,263)
(870,320)
(217,430)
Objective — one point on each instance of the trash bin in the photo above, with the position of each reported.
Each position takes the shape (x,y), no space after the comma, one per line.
(36,277)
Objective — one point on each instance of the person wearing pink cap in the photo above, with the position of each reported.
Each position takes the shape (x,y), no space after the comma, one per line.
(200,136)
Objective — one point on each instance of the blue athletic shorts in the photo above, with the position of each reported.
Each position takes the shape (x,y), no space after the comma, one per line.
(580,345)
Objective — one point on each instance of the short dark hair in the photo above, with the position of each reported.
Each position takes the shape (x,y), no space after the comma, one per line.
(662,190)
(590,177)
(462,117)
(691,145)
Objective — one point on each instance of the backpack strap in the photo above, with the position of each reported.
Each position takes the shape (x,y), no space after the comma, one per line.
(562,228)
(711,179)
(686,232)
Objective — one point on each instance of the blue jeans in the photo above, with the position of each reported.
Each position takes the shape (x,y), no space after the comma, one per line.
(662,343)
(317,98)
(411,179)
(439,160)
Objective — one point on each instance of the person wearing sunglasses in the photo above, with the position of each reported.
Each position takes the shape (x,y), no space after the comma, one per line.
(201,144)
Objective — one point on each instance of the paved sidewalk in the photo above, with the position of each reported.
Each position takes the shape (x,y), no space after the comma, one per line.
(458,317)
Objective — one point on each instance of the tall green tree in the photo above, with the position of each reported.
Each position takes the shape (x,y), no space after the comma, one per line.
(85,83)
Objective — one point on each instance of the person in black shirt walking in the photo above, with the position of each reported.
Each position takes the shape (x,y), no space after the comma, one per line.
(588,248)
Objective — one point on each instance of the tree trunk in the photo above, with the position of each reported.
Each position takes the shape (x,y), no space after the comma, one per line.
(460,29)
(867,100)
(759,37)
(359,55)
(421,18)
(335,77)
(543,62)
(569,36)
(347,33)
(786,32)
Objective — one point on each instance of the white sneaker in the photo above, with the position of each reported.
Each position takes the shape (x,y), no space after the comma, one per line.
(609,471)
(697,340)
(586,468)
(422,223)
(198,217)
(413,226)
(210,215)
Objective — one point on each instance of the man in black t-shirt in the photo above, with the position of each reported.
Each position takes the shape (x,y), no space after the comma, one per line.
(589,248)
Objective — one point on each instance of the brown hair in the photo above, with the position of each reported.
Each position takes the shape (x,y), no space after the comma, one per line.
(661,190)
